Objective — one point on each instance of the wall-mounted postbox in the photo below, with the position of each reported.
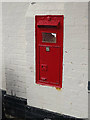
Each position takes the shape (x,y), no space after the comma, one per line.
(49,49)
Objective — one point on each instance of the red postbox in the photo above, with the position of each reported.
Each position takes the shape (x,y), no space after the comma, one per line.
(49,49)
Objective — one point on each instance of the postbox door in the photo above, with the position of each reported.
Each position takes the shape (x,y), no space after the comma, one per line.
(49,65)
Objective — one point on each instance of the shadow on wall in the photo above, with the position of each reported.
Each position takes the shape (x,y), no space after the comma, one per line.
(11,84)
(0,104)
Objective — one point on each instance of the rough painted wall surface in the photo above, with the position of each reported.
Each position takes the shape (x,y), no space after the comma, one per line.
(0,60)
(0,45)
(72,99)
(14,45)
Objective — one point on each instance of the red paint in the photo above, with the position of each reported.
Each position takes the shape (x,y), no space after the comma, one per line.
(49,56)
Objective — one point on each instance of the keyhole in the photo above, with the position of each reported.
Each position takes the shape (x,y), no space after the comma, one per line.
(42,66)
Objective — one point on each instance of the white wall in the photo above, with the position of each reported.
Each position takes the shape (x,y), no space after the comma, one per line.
(0,45)
(0,60)
(72,99)
(2,73)
(14,44)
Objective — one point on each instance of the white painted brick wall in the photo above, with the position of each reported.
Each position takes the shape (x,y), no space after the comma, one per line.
(0,45)
(2,71)
(14,44)
(72,99)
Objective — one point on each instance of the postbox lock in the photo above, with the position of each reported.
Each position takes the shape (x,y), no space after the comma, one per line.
(43,67)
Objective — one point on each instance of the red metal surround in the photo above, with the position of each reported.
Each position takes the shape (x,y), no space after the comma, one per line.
(49,49)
